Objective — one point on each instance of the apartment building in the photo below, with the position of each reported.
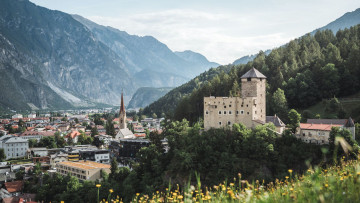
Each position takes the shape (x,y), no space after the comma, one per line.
(83,170)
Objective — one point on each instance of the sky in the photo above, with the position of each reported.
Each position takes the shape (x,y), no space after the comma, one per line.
(222,31)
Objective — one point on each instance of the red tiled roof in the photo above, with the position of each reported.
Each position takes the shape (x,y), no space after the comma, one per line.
(43,133)
(14,186)
(324,127)
(140,135)
(73,134)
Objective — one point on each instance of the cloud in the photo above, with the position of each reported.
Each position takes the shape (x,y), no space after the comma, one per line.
(220,37)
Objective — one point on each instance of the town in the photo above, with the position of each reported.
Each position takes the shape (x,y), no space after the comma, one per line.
(84,145)
(81,145)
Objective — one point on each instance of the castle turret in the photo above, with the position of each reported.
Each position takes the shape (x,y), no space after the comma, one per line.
(253,84)
(122,114)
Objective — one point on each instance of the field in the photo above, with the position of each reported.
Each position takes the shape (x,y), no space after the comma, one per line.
(339,183)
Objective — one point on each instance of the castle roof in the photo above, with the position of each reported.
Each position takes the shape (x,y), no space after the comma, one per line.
(253,73)
(275,120)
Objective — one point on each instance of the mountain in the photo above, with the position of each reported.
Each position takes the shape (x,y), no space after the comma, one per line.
(146,55)
(197,59)
(147,95)
(51,59)
(347,20)
(248,58)
(65,54)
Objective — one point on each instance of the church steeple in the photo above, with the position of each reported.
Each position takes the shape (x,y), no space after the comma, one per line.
(122,114)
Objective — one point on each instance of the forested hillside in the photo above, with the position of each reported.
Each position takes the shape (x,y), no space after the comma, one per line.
(300,74)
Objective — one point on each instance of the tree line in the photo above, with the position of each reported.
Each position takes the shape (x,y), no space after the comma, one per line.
(299,74)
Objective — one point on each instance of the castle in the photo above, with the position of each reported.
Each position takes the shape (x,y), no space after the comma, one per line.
(249,109)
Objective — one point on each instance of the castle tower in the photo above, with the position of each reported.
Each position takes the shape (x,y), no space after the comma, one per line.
(122,114)
(253,85)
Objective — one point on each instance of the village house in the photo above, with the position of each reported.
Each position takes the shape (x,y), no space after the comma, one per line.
(315,133)
(318,130)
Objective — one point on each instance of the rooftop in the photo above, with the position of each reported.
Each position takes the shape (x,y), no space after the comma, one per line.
(14,186)
(311,126)
(253,73)
(342,122)
(87,165)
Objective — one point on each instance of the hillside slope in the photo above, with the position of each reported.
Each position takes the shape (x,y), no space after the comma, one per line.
(147,95)
(347,20)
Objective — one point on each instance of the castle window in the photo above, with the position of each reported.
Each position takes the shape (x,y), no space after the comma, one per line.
(229,123)
(260,79)
(237,112)
(230,112)
(215,106)
(220,123)
(230,105)
(247,105)
(248,79)
(207,112)
(224,112)
(255,112)
(219,112)
(242,105)
(224,107)
(242,112)
(248,113)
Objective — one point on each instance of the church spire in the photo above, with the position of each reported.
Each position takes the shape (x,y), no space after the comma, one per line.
(122,114)
(122,106)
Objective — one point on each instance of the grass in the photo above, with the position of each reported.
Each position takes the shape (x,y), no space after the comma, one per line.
(340,183)
(19,161)
(351,106)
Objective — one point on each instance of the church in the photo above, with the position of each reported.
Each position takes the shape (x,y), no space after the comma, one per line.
(124,132)
(248,109)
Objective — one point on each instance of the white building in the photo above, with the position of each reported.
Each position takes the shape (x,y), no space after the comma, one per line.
(14,147)
(106,138)
(102,156)
(17,116)
(32,115)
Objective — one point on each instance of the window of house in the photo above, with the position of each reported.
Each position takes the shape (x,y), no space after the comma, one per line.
(224,107)
(248,113)
(224,112)
(247,105)
(242,105)
(219,112)
(230,105)
(255,112)
(248,79)
(237,112)
(242,112)
(230,112)
(229,123)
(220,123)
(207,112)
(215,106)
